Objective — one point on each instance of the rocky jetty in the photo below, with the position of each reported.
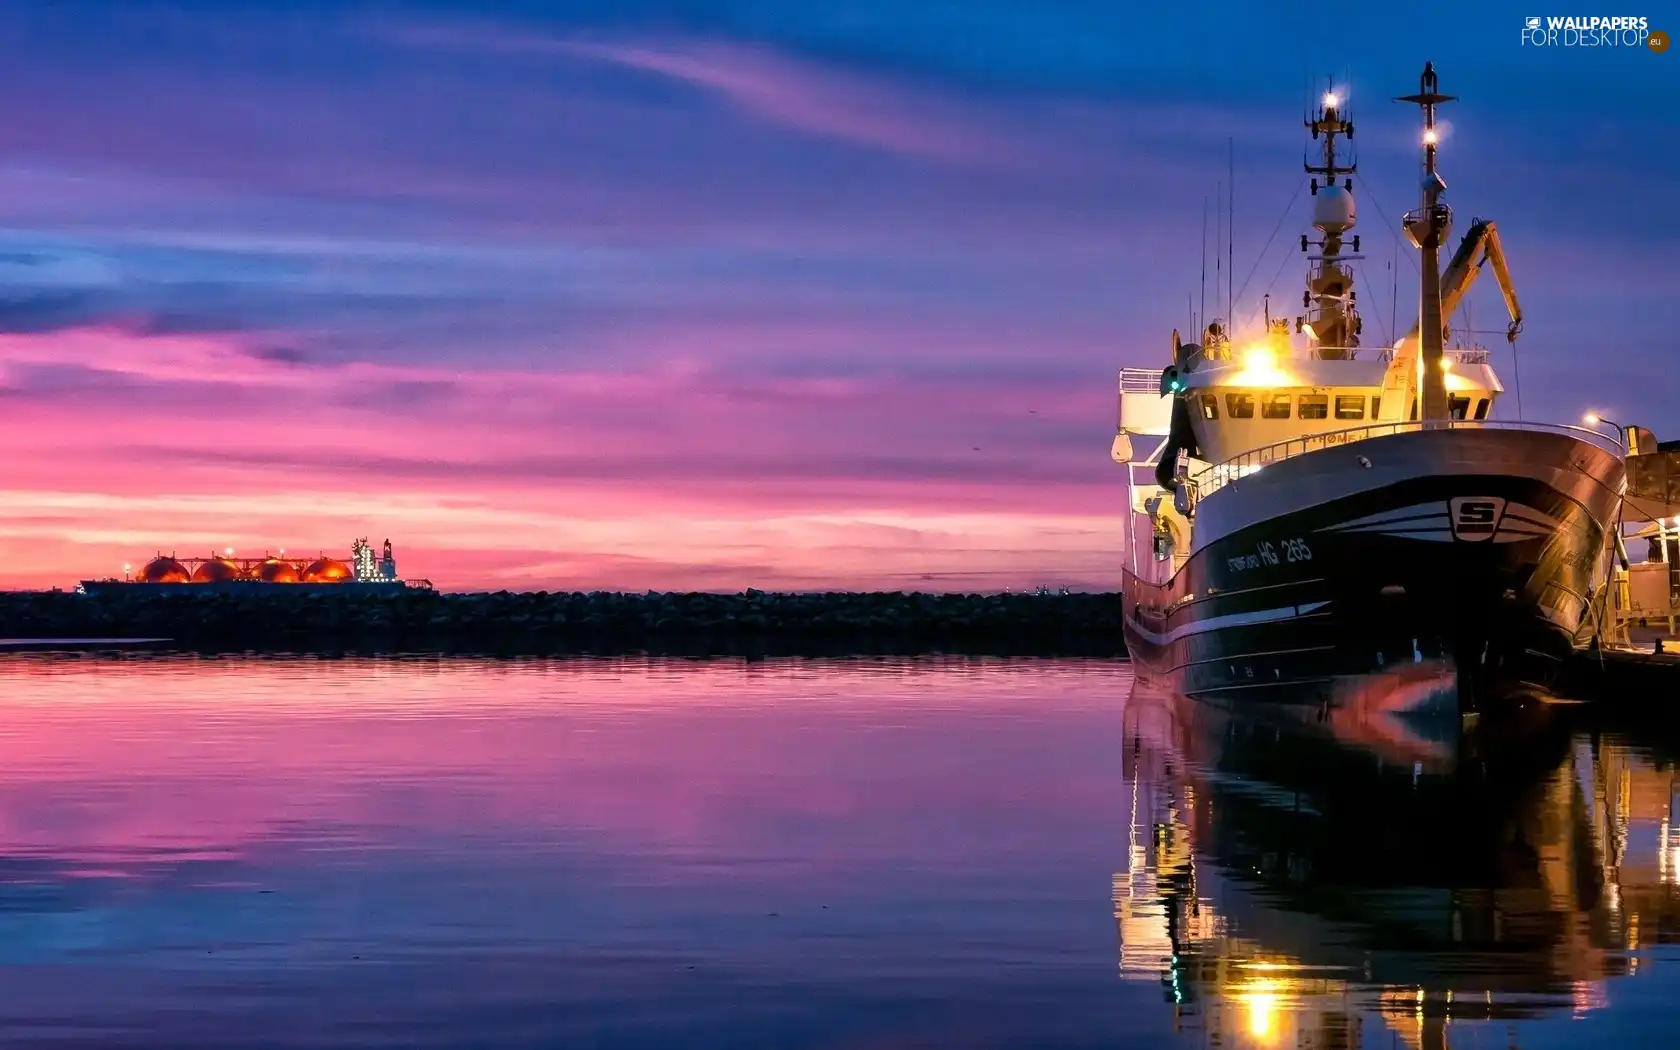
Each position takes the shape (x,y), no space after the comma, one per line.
(754,623)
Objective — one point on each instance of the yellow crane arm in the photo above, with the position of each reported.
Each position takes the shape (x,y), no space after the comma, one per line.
(1480,245)
(1502,273)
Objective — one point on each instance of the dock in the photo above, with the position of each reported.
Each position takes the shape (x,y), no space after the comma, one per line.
(1641,667)
(56,645)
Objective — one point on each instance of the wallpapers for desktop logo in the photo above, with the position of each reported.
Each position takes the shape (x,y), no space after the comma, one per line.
(1596,31)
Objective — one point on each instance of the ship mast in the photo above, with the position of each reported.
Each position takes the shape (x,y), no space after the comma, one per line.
(1332,321)
(1427,228)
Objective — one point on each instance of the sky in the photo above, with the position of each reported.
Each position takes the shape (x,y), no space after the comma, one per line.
(740,294)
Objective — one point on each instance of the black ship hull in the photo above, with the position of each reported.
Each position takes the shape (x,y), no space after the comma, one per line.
(95,587)
(1480,548)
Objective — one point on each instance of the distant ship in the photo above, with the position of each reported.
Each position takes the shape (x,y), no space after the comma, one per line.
(1337,509)
(223,572)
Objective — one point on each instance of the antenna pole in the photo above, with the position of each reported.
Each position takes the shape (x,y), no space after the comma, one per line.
(1201,305)
(1427,228)
(1218,235)
(1394,294)
(1230,232)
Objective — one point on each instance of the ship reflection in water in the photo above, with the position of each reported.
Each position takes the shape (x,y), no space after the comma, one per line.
(1377,877)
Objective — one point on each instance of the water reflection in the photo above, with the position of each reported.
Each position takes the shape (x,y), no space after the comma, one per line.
(848,854)
(1297,879)
(629,853)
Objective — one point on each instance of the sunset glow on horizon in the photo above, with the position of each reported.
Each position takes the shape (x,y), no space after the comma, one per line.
(559,299)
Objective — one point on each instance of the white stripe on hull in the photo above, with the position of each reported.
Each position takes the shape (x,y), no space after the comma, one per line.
(1215,623)
(1574,468)
(1467,519)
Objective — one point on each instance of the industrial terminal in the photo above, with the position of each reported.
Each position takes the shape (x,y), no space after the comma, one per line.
(363,571)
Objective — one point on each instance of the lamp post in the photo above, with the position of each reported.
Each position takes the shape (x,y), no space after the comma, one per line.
(1593,419)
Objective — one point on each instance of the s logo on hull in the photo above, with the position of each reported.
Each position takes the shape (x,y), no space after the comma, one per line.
(1476,518)
(1463,519)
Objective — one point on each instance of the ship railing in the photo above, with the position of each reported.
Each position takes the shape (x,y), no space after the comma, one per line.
(1140,380)
(1459,355)
(1210,480)
(1467,355)
(1148,380)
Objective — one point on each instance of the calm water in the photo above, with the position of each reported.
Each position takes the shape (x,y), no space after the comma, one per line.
(845,855)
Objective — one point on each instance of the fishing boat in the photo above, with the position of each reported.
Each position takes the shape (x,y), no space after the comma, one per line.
(1313,507)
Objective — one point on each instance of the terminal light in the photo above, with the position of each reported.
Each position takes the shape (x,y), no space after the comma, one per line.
(1591,419)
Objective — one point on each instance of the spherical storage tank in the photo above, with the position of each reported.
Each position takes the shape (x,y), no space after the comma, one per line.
(216,570)
(273,570)
(163,570)
(326,570)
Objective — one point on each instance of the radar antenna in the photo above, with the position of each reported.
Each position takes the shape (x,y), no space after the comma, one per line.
(1332,318)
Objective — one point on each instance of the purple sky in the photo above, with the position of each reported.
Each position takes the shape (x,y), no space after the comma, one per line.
(739,294)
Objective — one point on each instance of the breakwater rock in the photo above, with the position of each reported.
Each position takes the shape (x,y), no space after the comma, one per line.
(600,623)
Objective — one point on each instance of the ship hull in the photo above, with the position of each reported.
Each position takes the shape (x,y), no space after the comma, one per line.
(94,587)
(1479,548)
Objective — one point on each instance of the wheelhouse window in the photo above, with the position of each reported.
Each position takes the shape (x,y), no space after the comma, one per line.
(1210,406)
(1458,407)
(1376,408)
(1276,406)
(1481,408)
(1315,406)
(1350,406)
(1239,406)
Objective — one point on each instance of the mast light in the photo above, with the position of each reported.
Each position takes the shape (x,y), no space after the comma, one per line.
(1430,137)
(1330,100)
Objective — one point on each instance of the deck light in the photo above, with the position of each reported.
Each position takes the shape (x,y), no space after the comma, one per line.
(1259,368)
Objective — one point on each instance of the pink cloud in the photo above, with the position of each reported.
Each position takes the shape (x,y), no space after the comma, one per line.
(802,97)
(795,94)
(524,479)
